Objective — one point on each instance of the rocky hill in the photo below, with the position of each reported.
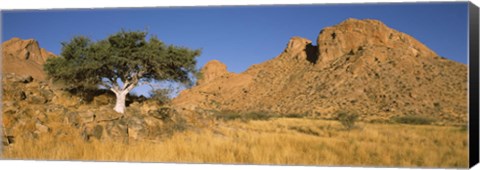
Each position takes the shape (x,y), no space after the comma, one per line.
(24,57)
(361,66)
(32,107)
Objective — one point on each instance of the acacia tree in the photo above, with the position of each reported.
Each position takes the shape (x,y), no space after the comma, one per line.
(121,62)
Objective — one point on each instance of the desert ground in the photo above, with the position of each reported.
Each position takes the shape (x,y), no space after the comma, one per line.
(284,141)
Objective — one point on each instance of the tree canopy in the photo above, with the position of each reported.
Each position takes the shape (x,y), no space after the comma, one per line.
(120,62)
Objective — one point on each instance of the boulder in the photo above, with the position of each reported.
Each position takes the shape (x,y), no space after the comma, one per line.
(117,129)
(352,34)
(65,99)
(87,116)
(107,114)
(212,70)
(26,79)
(41,128)
(97,131)
(24,57)
(37,99)
(72,118)
(102,100)
(136,128)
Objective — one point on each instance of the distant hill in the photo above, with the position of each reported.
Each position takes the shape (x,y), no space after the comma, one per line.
(24,57)
(358,65)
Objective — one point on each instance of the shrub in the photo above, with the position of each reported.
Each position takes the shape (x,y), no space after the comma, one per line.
(227,115)
(163,113)
(161,95)
(414,120)
(179,125)
(380,121)
(233,115)
(172,121)
(257,116)
(295,115)
(463,128)
(347,119)
(171,127)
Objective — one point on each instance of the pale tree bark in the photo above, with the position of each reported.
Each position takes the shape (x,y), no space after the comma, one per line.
(120,102)
(121,92)
(121,95)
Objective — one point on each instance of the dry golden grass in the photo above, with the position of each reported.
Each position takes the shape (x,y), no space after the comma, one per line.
(279,141)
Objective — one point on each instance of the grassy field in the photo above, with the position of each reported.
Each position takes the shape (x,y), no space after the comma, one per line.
(292,141)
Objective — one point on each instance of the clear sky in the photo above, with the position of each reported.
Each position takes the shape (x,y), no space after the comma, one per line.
(240,36)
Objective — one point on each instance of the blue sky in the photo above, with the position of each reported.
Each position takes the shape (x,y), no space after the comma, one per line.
(240,36)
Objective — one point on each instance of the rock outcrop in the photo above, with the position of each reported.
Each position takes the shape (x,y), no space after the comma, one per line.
(24,57)
(357,65)
(212,70)
(32,108)
(352,35)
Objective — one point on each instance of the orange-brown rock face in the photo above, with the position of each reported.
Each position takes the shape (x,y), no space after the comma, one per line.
(352,35)
(24,57)
(212,70)
(358,65)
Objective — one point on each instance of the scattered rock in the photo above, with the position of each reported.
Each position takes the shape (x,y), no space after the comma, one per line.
(97,131)
(26,79)
(107,115)
(21,95)
(136,128)
(34,99)
(102,100)
(72,118)
(41,116)
(87,116)
(117,130)
(41,128)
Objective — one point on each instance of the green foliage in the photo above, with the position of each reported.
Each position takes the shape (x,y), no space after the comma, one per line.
(126,57)
(161,96)
(347,119)
(464,128)
(295,115)
(414,120)
(173,122)
(179,125)
(198,75)
(228,115)
(257,116)
(380,121)
(163,113)
(253,115)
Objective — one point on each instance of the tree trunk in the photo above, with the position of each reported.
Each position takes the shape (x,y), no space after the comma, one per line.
(121,94)
(120,104)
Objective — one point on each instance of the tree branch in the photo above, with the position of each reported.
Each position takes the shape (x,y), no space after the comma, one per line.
(112,80)
(106,85)
(125,84)
(114,90)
